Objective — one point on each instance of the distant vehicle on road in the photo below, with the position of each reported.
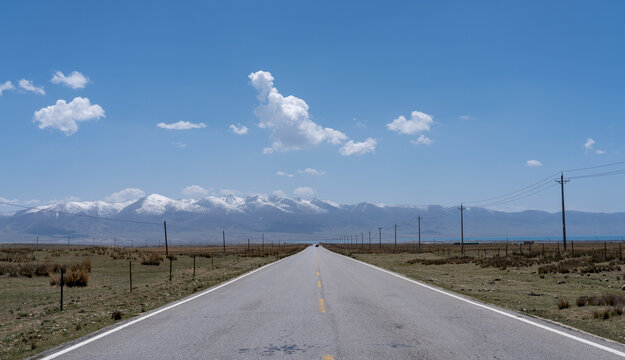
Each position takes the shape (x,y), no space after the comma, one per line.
(317,245)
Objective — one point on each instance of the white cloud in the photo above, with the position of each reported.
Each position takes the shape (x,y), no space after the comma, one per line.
(590,147)
(6,86)
(422,140)
(466,117)
(304,192)
(288,118)
(279,193)
(65,117)
(181,125)
(358,148)
(75,79)
(179,145)
(239,130)
(418,122)
(125,195)
(309,171)
(534,163)
(28,86)
(282,173)
(194,191)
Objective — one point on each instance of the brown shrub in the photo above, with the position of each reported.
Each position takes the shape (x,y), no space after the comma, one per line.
(79,277)
(563,304)
(152,259)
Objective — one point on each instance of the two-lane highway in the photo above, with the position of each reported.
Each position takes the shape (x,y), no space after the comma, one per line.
(321,305)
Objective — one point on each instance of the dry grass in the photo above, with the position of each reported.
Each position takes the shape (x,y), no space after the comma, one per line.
(30,320)
(563,304)
(151,258)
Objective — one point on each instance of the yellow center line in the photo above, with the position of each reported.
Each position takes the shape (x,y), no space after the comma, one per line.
(318,283)
(327,357)
(322,306)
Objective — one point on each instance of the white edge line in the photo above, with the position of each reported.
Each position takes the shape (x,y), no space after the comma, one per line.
(147,316)
(512,316)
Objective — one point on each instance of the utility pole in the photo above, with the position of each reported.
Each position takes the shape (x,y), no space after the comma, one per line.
(262,244)
(461,229)
(562,182)
(362,240)
(380,230)
(395,236)
(223,236)
(369,239)
(419,222)
(165,228)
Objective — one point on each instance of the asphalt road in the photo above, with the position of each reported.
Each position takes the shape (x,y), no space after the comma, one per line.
(320,305)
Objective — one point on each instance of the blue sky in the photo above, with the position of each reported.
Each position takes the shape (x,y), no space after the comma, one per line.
(491,86)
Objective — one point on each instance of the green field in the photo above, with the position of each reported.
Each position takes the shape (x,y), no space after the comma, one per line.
(30,317)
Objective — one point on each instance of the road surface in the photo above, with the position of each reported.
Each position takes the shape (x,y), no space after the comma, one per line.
(321,305)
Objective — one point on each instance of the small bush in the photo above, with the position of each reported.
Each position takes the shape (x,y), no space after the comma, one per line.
(116,315)
(563,304)
(77,278)
(581,301)
(152,259)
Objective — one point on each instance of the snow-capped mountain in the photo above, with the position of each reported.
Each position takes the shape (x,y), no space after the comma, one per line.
(292,217)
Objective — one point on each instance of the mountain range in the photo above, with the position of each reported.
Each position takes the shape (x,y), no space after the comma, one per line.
(282,218)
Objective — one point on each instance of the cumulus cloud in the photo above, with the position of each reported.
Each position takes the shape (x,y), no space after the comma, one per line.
(288,119)
(6,86)
(358,148)
(419,122)
(534,163)
(28,86)
(279,193)
(65,116)
(282,173)
(181,125)
(310,171)
(304,192)
(128,194)
(589,145)
(239,130)
(423,140)
(194,191)
(75,79)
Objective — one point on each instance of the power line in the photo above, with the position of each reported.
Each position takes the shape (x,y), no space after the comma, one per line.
(594,167)
(607,173)
(539,183)
(509,200)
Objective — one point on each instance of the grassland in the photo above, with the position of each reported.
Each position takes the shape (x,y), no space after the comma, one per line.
(579,288)
(30,317)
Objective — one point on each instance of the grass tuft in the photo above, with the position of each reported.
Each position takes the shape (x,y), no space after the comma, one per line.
(563,304)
